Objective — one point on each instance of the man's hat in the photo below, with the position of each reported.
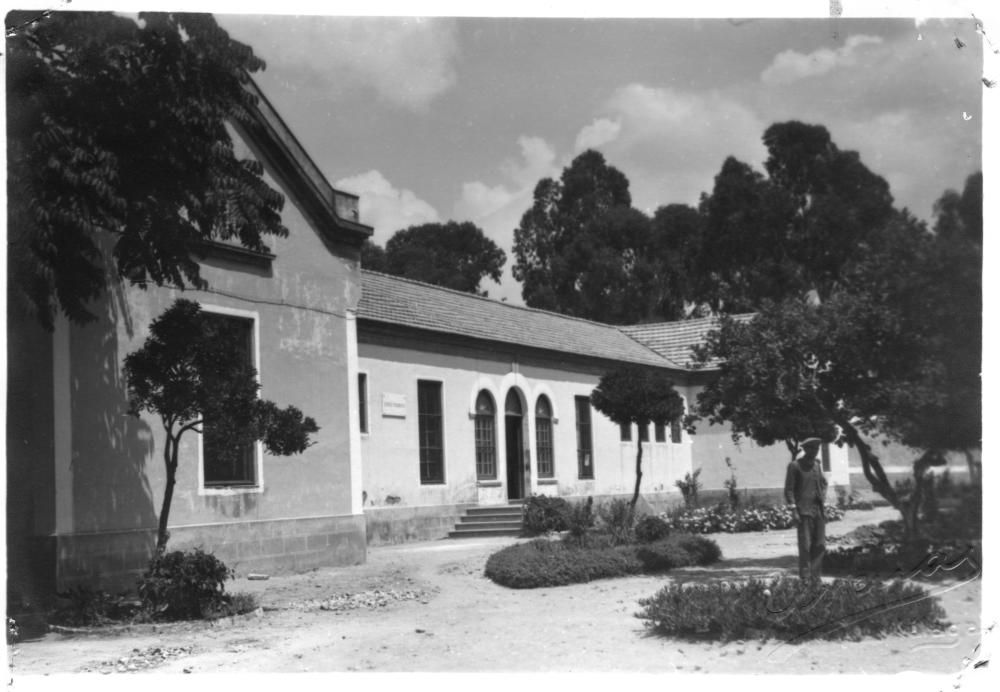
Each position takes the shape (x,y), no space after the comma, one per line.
(811,441)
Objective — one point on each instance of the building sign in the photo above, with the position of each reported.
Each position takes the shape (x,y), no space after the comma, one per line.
(394,405)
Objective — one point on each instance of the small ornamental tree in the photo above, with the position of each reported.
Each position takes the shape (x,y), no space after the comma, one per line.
(186,374)
(630,394)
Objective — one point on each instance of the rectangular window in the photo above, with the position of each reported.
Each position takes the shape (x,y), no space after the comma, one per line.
(584,440)
(225,464)
(643,433)
(625,432)
(675,432)
(660,431)
(826,457)
(363,401)
(430,426)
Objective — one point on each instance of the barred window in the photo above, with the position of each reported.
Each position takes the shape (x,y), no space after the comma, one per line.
(486,436)
(430,427)
(363,401)
(660,432)
(675,431)
(584,440)
(225,464)
(543,437)
(643,433)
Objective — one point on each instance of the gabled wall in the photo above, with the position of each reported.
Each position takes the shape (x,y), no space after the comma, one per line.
(106,468)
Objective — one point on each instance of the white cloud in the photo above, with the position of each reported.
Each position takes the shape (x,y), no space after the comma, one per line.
(671,143)
(598,133)
(406,61)
(791,66)
(384,207)
(497,209)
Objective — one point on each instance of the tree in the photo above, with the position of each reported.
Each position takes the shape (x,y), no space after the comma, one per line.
(583,250)
(875,357)
(372,256)
(118,142)
(792,232)
(632,395)
(185,373)
(454,255)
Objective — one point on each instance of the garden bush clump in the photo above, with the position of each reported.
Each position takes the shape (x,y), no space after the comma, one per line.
(543,514)
(556,563)
(723,519)
(616,518)
(182,585)
(651,528)
(790,609)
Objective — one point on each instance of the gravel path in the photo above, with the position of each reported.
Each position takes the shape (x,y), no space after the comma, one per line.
(427,607)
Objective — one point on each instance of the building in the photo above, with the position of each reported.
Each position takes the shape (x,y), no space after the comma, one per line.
(467,401)
(85,479)
(429,401)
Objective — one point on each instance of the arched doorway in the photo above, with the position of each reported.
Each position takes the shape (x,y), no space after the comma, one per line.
(514,436)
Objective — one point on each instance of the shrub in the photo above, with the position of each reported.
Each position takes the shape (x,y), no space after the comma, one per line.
(616,519)
(689,488)
(919,561)
(651,528)
(580,518)
(543,514)
(789,609)
(555,563)
(182,585)
(679,550)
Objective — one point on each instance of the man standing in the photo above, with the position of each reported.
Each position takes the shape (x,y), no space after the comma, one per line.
(805,488)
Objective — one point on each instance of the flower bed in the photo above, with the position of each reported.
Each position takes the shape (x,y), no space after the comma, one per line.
(722,519)
(789,609)
(555,563)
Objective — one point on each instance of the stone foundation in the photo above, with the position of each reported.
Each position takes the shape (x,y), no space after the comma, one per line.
(402,524)
(113,560)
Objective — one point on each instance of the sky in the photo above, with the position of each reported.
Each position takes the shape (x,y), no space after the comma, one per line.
(445,118)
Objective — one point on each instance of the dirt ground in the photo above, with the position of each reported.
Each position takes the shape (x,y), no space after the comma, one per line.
(428,607)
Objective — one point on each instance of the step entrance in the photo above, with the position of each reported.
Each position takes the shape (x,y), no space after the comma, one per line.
(492,520)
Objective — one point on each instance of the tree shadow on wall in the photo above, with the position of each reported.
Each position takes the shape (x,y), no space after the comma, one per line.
(111,448)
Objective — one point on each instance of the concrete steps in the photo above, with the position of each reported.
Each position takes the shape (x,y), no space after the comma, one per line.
(495,520)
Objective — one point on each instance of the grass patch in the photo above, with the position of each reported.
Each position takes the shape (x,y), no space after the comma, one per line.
(789,609)
(557,563)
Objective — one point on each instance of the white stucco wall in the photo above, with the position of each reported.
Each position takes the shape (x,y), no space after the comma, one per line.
(390,453)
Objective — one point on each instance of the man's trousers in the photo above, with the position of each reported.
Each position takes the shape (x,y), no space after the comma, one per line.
(812,546)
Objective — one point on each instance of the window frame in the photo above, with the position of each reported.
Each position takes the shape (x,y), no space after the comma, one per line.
(491,447)
(659,433)
(257,486)
(625,432)
(364,419)
(544,423)
(421,419)
(581,425)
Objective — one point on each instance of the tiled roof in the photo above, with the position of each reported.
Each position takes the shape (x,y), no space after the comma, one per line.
(394,300)
(673,340)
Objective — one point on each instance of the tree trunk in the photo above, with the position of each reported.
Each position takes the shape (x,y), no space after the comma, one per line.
(638,474)
(975,471)
(870,464)
(170,452)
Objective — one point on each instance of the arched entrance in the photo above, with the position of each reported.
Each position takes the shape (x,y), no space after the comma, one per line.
(514,436)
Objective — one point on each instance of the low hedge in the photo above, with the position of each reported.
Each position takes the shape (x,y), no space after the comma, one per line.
(556,563)
(787,608)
